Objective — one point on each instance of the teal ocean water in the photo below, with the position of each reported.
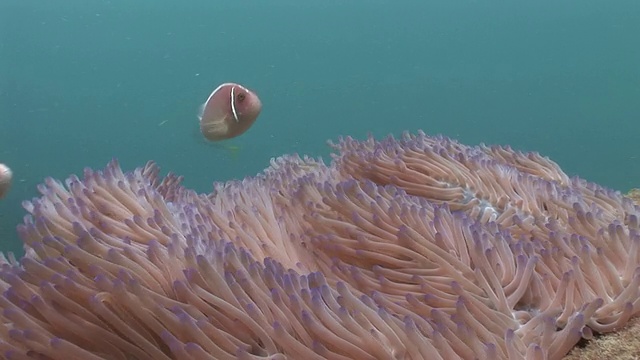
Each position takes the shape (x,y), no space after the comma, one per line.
(82,82)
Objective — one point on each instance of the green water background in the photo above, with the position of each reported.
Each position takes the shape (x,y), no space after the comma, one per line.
(85,81)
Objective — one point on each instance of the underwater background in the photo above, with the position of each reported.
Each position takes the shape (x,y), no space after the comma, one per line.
(82,82)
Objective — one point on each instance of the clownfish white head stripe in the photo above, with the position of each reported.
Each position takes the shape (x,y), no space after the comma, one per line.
(233,104)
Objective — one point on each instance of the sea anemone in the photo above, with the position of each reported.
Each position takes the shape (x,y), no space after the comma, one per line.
(410,248)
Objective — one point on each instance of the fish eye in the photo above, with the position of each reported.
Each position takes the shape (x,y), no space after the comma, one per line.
(241,97)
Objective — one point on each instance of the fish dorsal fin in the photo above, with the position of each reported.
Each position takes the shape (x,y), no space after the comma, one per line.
(218,104)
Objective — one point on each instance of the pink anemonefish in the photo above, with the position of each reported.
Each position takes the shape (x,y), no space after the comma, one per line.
(229,111)
(5,179)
